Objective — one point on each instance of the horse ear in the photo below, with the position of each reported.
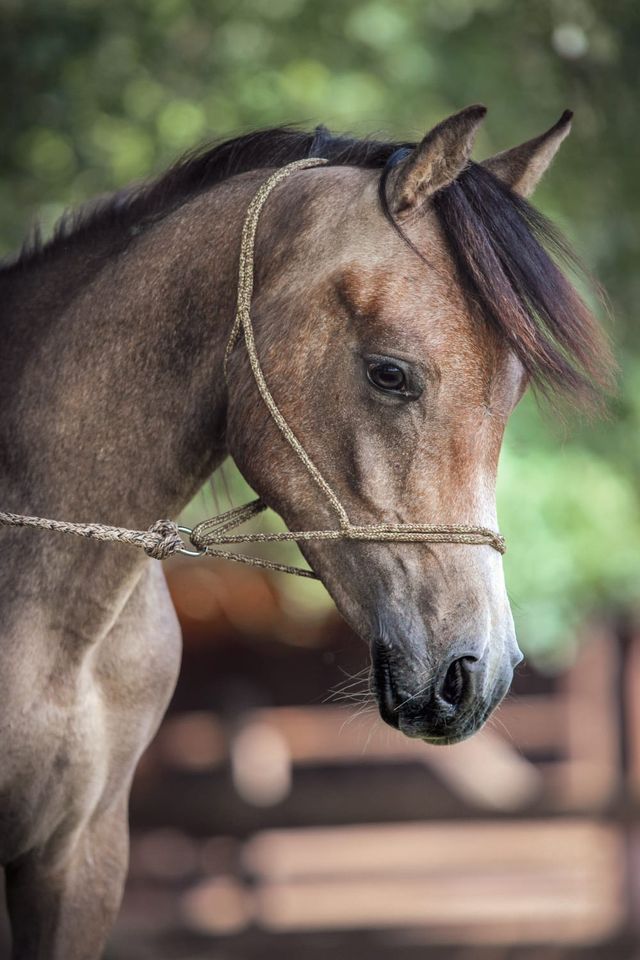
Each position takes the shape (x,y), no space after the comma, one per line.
(435,162)
(522,167)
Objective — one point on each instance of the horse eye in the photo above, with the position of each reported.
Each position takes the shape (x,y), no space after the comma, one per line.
(387,376)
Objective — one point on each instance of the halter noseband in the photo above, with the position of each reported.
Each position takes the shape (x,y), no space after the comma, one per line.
(212,534)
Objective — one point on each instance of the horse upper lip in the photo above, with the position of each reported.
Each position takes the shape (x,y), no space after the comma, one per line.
(386,692)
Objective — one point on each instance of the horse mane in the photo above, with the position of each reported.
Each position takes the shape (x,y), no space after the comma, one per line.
(509,256)
(133,208)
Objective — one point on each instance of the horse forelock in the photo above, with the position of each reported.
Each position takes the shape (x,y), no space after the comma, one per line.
(510,257)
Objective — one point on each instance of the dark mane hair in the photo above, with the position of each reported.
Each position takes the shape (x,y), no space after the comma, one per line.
(507,253)
(136,207)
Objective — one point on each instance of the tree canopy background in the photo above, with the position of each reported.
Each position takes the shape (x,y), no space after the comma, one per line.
(98,94)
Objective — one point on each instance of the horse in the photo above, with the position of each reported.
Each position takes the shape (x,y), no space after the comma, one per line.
(405,297)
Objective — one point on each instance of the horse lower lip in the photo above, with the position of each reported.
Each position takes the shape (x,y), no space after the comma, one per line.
(446,741)
(435,739)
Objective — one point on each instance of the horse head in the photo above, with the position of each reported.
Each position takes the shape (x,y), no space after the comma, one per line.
(399,318)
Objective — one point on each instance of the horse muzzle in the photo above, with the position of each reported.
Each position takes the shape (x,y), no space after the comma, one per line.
(445,706)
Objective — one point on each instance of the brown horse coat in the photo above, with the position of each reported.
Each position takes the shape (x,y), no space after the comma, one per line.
(396,355)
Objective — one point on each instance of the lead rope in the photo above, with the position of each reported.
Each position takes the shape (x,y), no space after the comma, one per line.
(163,538)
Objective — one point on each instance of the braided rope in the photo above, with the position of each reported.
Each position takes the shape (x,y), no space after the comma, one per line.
(160,541)
(163,539)
(243,322)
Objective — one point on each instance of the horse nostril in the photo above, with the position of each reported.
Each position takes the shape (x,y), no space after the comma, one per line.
(456,681)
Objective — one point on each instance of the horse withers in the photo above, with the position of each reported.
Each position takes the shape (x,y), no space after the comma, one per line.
(403,301)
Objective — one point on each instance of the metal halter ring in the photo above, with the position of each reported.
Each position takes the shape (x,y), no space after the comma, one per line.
(184,549)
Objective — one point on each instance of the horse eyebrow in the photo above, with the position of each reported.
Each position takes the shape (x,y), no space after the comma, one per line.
(359,293)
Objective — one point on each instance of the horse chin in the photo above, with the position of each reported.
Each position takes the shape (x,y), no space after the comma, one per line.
(449,738)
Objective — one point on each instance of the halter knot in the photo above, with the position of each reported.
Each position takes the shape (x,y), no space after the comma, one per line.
(163,540)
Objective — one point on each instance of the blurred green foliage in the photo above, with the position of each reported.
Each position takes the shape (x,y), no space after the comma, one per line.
(97,94)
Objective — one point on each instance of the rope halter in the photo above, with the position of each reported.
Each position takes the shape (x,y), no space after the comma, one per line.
(213,533)
(213,536)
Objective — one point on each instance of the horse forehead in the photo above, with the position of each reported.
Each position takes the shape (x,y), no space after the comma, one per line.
(406,296)
(382,276)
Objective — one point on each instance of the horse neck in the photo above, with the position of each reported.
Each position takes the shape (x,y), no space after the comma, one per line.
(113,396)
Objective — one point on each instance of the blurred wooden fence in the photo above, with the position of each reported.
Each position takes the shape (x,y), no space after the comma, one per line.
(267,822)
